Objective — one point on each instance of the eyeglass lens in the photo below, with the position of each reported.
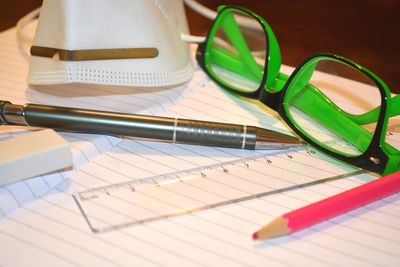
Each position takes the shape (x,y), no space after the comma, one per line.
(335,105)
(237,52)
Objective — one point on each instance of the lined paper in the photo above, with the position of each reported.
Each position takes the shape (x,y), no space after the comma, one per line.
(54,226)
(51,231)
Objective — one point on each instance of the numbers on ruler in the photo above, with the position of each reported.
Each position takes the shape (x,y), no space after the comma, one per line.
(289,156)
(268,160)
(87,198)
(310,152)
(389,133)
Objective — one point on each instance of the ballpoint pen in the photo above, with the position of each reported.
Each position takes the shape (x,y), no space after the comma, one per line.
(148,127)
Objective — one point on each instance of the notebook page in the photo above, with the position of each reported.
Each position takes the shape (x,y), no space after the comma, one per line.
(84,147)
(53,231)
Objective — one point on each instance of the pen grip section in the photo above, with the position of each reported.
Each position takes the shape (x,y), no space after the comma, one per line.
(215,134)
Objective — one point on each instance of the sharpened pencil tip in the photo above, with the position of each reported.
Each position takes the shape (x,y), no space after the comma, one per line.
(255,236)
(276,228)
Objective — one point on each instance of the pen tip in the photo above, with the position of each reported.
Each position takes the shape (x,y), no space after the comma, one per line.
(267,139)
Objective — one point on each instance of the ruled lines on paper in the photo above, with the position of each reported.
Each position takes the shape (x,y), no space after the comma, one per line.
(55,229)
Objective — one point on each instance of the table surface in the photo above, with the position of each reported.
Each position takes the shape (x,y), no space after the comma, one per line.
(365,31)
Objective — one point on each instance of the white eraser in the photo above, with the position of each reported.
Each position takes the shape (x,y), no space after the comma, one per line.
(33,154)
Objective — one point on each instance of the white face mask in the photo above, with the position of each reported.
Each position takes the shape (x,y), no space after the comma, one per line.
(121,42)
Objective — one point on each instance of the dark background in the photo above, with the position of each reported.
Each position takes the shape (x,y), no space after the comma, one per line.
(365,31)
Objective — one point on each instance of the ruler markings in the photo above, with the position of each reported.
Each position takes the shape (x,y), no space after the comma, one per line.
(92,200)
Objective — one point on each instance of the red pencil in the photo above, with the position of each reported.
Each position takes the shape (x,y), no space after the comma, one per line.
(330,207)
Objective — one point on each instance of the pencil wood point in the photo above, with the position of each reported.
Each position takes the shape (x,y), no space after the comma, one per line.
(277,227)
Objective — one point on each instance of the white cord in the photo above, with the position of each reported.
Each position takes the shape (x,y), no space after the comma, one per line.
(22,22)
(192,38)
(22,37)
(211,14)
(243,21)
(202,10)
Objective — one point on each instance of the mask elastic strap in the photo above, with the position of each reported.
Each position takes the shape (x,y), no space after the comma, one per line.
(22,37)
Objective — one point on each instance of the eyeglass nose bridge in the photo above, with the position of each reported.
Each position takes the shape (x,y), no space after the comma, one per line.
(271,100)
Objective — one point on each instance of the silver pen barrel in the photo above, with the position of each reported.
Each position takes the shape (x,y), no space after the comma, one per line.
(141,126)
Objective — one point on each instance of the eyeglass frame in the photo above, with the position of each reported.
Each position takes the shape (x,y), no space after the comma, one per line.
(374,158)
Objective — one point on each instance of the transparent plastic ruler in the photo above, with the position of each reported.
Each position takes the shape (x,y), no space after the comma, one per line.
(181,192)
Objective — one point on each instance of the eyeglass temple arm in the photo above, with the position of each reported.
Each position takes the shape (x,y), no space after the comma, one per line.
(231,62)
(322,111)
(365,118)
(313,102)
(373,115)
(360,119)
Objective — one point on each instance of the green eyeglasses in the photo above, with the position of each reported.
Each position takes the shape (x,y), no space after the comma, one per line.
(332,103)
